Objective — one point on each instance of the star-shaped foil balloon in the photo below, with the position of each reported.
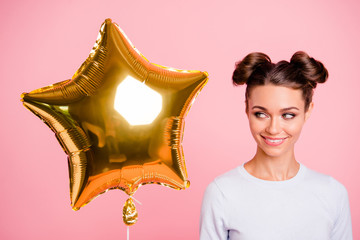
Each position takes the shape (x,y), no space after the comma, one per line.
(120,120)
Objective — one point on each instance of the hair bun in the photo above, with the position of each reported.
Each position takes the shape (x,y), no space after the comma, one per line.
(245,67)
(312,70)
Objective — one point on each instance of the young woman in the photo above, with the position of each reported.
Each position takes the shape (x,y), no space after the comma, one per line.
(272,196)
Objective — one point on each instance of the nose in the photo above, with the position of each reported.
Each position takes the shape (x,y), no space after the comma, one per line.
(274,126)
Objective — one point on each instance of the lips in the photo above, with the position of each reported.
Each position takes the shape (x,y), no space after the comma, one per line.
(273,141)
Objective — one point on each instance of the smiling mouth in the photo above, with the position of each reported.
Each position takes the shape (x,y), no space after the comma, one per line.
(273,141)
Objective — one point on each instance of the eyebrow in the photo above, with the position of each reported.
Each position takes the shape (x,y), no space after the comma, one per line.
(282,110)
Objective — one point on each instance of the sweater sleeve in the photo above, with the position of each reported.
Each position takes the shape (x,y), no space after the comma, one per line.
(212,225)
(342,229)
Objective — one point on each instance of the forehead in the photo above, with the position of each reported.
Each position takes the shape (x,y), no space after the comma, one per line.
(275,97)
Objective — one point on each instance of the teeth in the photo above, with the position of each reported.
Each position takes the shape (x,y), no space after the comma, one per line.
(275,141)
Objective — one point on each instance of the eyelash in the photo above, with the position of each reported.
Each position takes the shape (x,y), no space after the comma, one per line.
(257,114)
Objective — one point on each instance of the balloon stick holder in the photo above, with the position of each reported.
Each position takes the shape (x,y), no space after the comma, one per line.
(130,214)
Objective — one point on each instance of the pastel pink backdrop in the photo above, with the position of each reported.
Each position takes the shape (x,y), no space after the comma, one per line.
(43,42)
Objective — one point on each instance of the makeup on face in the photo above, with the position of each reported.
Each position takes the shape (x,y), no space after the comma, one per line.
(276,117)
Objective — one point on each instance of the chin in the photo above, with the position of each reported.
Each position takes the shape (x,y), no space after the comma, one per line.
(272,152)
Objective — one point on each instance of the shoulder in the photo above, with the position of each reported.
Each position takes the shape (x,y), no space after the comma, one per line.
(223,184)
(325,185)
(228,177)
(325,181)
(335,197)
(218,192)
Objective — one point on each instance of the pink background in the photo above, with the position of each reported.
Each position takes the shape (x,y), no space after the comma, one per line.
(43,42)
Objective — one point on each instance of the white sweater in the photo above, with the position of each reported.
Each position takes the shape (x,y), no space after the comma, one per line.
(309,206)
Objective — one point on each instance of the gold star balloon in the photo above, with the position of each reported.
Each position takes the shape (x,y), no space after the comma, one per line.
(120,120)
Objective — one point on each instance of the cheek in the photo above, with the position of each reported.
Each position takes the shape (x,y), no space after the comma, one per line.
(255,125)
(294,128)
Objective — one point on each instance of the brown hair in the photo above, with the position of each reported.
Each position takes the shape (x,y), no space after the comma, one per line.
(302,72)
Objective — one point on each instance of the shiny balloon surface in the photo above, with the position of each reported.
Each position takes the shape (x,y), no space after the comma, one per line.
(120,119)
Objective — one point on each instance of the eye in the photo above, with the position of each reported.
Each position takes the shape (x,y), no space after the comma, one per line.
(260,115)
(288,115)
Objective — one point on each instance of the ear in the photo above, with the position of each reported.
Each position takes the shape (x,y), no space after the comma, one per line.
(308,113)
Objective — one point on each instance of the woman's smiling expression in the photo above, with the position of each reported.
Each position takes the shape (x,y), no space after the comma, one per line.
(276,117)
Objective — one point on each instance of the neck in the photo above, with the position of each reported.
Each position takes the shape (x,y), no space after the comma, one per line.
(273,168)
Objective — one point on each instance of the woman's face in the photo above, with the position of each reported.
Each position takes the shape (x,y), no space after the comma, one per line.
(276,117)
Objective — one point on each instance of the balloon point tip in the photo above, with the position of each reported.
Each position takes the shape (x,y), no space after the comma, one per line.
(22,97)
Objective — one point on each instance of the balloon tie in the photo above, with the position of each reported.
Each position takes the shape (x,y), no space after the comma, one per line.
(136,200)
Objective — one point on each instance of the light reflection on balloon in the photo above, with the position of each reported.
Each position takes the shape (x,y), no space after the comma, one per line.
(136,102)
(104,150)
